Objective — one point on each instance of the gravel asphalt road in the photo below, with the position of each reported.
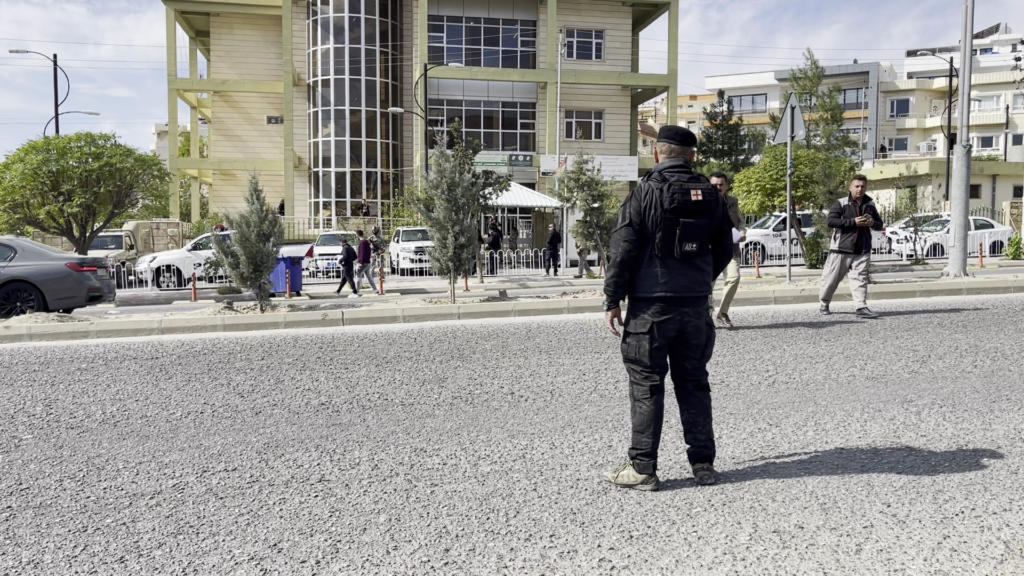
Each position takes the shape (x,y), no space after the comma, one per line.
(892,446)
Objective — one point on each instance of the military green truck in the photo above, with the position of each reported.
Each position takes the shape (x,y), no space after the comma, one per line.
(123,246)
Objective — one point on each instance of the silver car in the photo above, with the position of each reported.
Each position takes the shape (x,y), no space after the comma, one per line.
(37,278)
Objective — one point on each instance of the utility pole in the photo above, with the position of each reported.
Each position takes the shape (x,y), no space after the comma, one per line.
(790,210)
(960,196)
(56,103)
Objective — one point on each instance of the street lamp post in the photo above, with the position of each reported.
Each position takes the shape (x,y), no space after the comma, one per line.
(57,117)
(949,113)
(56,98)
(423,106)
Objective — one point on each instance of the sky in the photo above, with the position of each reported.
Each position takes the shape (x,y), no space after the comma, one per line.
(114,50)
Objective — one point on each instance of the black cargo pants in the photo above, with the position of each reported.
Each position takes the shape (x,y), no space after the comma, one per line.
(658,336)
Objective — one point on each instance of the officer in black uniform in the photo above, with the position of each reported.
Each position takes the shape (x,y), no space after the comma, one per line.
(674,235)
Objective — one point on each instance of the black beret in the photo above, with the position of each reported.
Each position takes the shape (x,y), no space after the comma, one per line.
(677,135)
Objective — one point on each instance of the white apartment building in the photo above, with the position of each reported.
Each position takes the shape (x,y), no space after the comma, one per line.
(756,95)
(915,115)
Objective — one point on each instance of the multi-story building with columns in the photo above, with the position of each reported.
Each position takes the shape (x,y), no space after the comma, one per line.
(326,99)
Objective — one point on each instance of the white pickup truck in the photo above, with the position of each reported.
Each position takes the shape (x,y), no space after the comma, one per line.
(173,269)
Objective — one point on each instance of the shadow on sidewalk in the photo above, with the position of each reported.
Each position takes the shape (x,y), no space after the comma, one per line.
(898,460)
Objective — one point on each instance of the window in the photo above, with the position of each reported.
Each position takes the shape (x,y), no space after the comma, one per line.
(994,102)
(484,42)
(899,108)
(1018,101)
(1018,191)
(584,125)
(750,103)
(853,99)
(6,253)
(975,191)
(982,224)
(584,44)
(986,142)
(899,144)
(499,126)
(1018,139)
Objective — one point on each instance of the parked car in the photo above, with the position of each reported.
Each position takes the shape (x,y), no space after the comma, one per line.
(409,250)
(326,250)
(35,277)
(174,268)
(903,231)
(934,238)
(766,238)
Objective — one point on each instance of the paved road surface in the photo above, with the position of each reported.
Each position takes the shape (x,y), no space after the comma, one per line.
(846,447)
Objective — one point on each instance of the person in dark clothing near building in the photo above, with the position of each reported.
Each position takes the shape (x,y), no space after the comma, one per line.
(674,235)
(493,246)
(364,266)
(364,209)
(347,260)
(280,208)
(551,250)
(851,219)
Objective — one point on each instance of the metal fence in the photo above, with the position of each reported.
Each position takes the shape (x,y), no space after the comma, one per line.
(930,247)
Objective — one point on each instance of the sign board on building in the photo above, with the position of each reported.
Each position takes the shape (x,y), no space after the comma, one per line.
(275,119)
(520,160)
(615,168)
(497,163)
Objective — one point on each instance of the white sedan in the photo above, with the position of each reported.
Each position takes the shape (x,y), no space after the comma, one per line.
(933,238)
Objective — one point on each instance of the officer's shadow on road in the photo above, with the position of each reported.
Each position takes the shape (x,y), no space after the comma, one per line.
(899,460)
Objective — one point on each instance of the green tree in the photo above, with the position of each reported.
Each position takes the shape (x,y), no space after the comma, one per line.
(724,141)
(251,255)
(583,189)
(76,185)
(818,179)
(822,107)
(451,201)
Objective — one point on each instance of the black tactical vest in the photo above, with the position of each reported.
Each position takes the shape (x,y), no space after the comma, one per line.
(688,215)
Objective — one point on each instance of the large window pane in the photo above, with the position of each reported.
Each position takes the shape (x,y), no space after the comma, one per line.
(474,119)
(355,154)
(509,119)
(453,55)
(490,141)
(325,94)
(509,141)
(527,142)
(492,37)
(453,35)
(510,59)
(355,123)
(490,118)
(371,31)
(355,31)
(370,123)
(325,153)
(341,154)
(371,154)
(492,59)
(340,123)
(356,189)
(355,62)
(355,93)
(435,54)
(339,30)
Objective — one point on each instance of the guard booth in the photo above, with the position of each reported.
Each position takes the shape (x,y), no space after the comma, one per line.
(530,211)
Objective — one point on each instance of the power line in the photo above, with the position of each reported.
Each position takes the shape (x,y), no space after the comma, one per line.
(85,43)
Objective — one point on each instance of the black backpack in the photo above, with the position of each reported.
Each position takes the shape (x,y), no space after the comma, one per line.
(691,209)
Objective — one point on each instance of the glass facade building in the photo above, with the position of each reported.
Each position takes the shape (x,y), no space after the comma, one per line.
(354,70)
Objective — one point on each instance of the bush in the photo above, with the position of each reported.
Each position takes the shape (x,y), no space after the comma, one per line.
(815,252)
(226,289)
(1014,250)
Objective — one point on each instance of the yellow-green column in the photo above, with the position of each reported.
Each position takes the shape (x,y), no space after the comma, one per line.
(288,67)
(551,105)
(634,115)
(421,49)
(193,128)
(172,113)
(673,63)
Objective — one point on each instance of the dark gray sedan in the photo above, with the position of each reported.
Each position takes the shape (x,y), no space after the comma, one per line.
(37,278)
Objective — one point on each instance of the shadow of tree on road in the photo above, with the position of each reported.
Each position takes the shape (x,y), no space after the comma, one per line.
(899,460)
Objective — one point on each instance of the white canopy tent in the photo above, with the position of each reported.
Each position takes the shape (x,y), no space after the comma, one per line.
(522,205)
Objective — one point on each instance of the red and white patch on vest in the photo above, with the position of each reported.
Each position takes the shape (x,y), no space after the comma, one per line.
(696,195)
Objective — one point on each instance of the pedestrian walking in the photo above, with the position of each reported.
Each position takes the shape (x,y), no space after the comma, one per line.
(551,250)
(583,269)
(280,208)
(347,260)
(674,235)
(851,219)
(732,271)
(364,263)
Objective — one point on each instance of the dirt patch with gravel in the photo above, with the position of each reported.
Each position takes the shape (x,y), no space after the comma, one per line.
(42,318)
